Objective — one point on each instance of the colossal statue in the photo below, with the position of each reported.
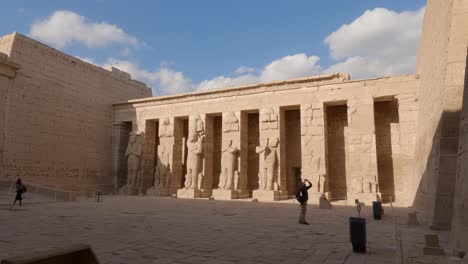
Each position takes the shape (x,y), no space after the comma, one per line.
(195,142)
(228,167)
(268,160)
(133,158)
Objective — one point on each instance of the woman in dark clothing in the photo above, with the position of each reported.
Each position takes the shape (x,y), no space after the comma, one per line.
(20,189)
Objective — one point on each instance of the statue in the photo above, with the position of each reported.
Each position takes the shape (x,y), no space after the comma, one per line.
(166,129)
(162,171)
(268,161)
(228,167)
(322,183)
(269,119)
(195,144)
(231,122)
(133,157)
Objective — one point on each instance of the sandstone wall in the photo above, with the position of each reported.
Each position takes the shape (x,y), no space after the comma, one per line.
(58,130)
(458,62)
(441,66)
(312,96)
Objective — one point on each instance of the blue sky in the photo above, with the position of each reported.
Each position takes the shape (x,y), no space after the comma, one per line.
(179,46)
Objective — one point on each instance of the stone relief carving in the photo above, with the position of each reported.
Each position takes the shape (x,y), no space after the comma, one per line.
(268,159)
(315,164)
(133,157)
(231,122)
(162,171)
(166,129)
(227,178)
(308,116)
(269,119)
(195,142)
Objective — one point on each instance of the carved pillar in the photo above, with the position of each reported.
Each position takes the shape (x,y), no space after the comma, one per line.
(361,156)
(313,149)
(120,135)
(194,178)
(233,183)
(163,173)
(271,182)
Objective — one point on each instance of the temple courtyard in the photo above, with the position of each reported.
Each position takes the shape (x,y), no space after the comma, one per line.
(165,230)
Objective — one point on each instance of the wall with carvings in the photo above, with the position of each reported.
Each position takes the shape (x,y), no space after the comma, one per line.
(58,130)
(311,96)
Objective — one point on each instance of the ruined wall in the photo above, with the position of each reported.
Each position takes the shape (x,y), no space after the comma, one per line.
(59,126)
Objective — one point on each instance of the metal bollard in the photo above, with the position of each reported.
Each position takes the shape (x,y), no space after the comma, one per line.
(98,197)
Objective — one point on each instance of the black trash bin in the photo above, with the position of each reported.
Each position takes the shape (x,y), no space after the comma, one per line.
(377,209)
(357,233)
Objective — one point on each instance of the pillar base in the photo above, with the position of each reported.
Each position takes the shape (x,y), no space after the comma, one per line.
(366,198)
(314,197)
(263,195)
(229,194)
(159,191)
(193,193)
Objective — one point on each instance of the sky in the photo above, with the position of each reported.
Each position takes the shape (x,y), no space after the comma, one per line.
(180,46)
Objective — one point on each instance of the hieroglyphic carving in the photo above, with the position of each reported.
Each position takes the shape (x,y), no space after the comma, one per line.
(195,142)
(133,158)
(231,122)
(308,117)
(269,119)
(268,161)
(229,168)
(166,128)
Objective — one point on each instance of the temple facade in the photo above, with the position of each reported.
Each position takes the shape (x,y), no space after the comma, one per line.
(351,139)
(71,125)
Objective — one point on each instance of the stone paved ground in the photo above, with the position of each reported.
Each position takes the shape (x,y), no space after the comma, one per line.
(163,230)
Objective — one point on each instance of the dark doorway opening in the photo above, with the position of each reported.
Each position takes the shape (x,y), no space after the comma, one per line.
(336,121)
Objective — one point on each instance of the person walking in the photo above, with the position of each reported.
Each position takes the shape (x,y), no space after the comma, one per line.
(20,189)
(302,196)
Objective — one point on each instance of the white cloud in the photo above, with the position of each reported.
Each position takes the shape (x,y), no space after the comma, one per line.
(243,70)
(223,82)
(294,66)
(64,27)
(86,59)
(379,42)
(165,80)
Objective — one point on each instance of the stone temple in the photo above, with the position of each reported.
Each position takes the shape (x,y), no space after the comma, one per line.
(72,125)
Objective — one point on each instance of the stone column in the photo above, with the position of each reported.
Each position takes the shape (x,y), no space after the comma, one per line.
(361,156)
(233,184)
(272,185)
(194,186)
(164,170)
(120,135)
(313,150)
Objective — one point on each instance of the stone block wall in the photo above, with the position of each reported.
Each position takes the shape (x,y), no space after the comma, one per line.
(58,127)
(457,72)
(441,66)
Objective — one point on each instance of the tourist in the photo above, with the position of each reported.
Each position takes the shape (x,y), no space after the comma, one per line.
(20,189)
(302,196)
